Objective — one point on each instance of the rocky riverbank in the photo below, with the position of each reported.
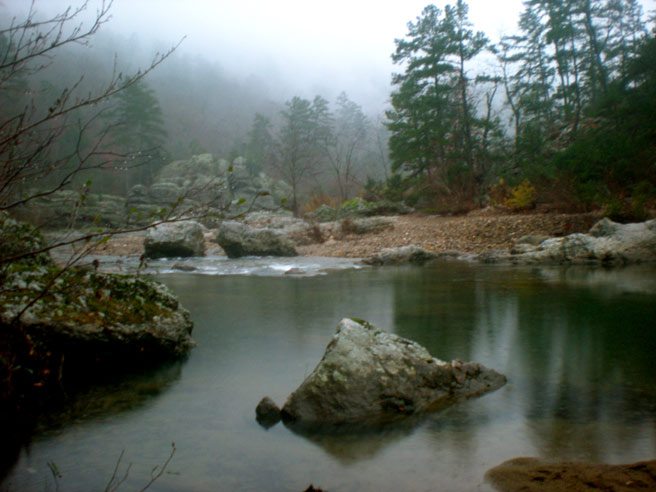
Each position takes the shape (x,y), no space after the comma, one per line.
(475,233)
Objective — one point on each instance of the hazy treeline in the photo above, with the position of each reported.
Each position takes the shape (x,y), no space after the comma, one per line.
(561,111)
(545,108)
(188,106)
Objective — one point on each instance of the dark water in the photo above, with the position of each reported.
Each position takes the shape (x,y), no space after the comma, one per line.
(578,347)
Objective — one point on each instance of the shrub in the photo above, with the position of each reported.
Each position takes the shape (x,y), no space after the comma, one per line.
(522,196)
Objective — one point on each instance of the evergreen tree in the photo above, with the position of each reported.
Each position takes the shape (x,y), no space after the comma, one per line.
(137,131)
(305,125)
(433,121)
(260,145)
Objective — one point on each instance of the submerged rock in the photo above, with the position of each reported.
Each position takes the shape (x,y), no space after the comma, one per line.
(607,243)
(175,240)
(410,254)
(369,376)
(239,240)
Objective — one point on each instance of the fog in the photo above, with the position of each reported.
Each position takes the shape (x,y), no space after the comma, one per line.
(305,47)
(295,47)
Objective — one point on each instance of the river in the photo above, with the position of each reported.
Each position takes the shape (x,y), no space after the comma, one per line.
(578,346)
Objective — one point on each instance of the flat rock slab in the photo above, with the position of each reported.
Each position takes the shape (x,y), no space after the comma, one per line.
(369,376)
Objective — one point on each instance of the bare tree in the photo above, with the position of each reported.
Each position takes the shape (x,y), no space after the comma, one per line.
(30,132)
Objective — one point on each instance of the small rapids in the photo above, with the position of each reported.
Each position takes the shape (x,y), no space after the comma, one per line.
(300,266)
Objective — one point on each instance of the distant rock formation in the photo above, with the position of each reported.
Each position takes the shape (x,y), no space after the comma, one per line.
(217,186)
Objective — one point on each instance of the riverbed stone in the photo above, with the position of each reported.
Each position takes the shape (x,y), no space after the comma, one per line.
(410,254)
(369,376)
(175,240)
(239,240)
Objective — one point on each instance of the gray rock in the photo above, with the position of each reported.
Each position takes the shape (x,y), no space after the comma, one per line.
(607,243)
(101,317)
(605,228)
(239,240)
(367,225)
(399,256)
(175,239)
(369,376)
(66,209)
(165,193)
(267,412)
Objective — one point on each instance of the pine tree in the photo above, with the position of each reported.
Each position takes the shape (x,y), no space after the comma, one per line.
(137,131)
(433,122)
(305,126)
(260,145)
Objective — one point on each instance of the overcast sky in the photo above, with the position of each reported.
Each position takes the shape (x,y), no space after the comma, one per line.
(312,46)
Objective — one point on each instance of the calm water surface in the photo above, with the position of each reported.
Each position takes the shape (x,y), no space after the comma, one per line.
(578,346)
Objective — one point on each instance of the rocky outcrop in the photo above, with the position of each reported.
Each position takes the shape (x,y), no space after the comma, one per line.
(175,240)
(410,254)
(239,240)
(370,376)
(71,209)
(607,243)
(211,182)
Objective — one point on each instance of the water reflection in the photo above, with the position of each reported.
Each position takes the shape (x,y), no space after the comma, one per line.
(85,403)
(581,354)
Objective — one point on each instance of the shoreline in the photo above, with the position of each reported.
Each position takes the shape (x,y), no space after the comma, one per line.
(478,232)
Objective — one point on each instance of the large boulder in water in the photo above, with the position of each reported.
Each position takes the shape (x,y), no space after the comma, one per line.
(239,240)
(369,376)
(174,240)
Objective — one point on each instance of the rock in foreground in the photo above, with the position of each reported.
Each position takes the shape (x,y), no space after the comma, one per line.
(175,240)
(532,474)
(369,376)
(96,317)
(239,240)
